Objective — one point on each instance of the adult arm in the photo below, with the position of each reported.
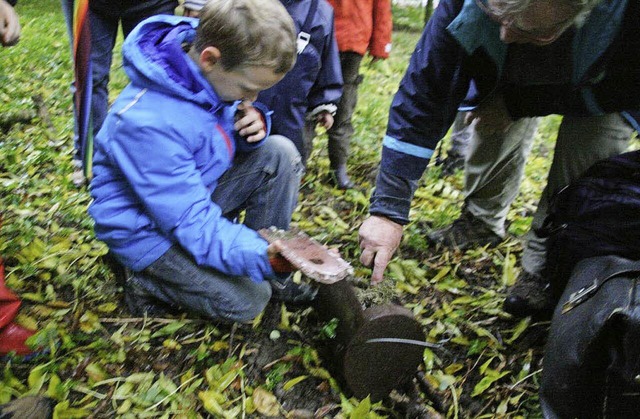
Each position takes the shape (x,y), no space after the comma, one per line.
(422,111)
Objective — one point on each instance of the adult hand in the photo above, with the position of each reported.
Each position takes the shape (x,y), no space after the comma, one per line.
(9,25)
(250,123)
(491,116)
(379,239)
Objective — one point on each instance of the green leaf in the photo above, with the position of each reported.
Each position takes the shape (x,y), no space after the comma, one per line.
(169,329)
(486,382)
(289,384)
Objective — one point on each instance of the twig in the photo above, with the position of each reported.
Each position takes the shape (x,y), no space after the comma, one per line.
(124,320)
(234,327)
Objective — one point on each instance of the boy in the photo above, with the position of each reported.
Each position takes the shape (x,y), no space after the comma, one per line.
(172,168)
(313,87)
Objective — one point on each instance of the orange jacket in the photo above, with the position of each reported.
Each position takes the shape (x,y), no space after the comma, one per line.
(363,25)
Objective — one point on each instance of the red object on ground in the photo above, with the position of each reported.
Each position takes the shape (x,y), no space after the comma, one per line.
(12,336)
(9,302)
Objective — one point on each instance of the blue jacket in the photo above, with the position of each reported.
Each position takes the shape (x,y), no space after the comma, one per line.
(315,80)
(459,44)
(165,143)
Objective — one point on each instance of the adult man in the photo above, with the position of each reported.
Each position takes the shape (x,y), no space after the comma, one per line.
(526,58)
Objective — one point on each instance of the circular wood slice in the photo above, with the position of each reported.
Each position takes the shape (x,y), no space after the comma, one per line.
(376,368)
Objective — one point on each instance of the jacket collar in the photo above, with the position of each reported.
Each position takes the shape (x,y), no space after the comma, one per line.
(473,29)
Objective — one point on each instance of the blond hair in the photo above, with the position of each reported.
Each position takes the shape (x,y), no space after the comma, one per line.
(248,33)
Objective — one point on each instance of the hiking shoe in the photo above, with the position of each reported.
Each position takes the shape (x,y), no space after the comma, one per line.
(140,302)
(465,232)
(286,290)
(530,295)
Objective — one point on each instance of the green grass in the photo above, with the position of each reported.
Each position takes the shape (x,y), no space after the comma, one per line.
(102,362)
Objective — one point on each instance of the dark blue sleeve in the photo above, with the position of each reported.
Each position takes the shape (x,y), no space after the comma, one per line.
(392,197)
(429,94)
(328,86)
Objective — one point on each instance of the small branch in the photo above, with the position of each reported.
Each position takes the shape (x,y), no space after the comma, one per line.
(125,320)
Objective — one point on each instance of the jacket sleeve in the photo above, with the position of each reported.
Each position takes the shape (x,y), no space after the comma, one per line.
(161,169)
(380,43)
(422,111)
(327,88)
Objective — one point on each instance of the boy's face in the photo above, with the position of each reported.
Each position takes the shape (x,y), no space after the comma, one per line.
(240,83)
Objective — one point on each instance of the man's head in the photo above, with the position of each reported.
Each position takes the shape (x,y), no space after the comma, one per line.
(244,46)
(538,22)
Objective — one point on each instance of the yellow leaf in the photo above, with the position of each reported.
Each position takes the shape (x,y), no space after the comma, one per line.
(210,404)
(26,321)
(219,345)
(265,402)
(289,384)
(107,307)
(96,373)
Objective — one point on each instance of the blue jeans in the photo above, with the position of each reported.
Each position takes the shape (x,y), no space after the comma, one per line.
(264,183)
(104,29)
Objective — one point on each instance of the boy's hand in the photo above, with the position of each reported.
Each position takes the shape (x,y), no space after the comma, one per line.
(9,25)
(324,119)
(250,124)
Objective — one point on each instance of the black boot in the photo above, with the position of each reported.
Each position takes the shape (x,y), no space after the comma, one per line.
(340,179)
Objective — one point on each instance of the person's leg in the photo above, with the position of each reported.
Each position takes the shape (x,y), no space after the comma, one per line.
(176,280)
(308,135)
(460,138)
(494,167)
(342,130)
(264,182)
(78,176)
(104,29)
(581,142)
(67,12)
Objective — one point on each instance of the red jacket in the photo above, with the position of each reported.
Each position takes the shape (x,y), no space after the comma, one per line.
(363,25)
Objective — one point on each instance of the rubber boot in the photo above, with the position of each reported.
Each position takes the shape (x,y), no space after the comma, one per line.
(9,302)
(340,178)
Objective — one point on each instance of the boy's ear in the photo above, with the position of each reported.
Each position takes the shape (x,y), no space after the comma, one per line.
(209,57)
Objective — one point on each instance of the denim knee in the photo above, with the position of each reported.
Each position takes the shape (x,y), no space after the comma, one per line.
(282,150)
(245,304)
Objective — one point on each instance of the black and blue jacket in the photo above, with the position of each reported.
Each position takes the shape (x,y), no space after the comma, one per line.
(459,61)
